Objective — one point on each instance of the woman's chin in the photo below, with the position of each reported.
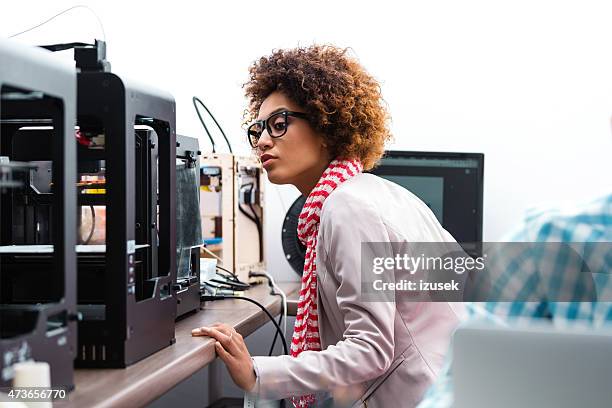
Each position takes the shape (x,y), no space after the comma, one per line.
(275,177)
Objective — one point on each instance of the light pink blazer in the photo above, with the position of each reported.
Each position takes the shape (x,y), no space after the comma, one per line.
(375,354)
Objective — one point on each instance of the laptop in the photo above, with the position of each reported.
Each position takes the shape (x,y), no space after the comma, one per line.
(531,366)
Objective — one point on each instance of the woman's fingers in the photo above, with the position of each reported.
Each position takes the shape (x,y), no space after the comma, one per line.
(200,331)
(203,331)
(224,335)
(232,350)
(222,353)
(222,327)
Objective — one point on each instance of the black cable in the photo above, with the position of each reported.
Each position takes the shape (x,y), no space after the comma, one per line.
(263,275)
(254,218)
(229,283)
(230,272)
(237,283)
(259,231)
(280,320)
(278,329)
(273,292)
(195,105)
(246,214)
(196,99)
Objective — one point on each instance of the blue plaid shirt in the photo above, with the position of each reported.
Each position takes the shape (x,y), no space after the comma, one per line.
(587,224)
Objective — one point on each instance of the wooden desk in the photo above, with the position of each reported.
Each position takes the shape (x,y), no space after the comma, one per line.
(150,378)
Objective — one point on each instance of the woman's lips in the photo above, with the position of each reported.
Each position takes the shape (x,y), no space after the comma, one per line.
(268,161)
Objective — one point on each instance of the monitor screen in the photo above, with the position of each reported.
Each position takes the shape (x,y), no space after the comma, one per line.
(451,184)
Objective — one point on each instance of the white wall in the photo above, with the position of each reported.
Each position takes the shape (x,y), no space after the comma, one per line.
(529,83)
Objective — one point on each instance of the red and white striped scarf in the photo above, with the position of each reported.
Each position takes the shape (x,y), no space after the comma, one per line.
(306,330)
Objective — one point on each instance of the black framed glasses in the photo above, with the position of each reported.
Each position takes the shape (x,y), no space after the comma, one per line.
(276,125)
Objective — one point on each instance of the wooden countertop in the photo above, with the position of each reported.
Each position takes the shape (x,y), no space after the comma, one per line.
(148,379)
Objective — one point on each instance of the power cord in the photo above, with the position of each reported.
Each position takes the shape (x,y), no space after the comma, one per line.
(197,101)
(227,279)
(276,334)
(278,329)
(279,292)
(223,281)
(231,275)
(228,271)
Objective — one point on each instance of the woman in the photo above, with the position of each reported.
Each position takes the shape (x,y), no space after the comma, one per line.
(320,121)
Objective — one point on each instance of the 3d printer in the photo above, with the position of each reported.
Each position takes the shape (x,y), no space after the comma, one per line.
(126,215)
(37,207)
(231,207)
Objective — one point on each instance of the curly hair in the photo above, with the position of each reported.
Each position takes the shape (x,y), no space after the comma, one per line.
(343,101)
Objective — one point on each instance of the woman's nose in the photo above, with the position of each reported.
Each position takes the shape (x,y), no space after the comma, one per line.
(265,141)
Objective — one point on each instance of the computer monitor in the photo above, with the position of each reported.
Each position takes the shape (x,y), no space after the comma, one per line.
(451,184)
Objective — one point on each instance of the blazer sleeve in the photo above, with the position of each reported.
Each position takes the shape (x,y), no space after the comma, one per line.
(366,350)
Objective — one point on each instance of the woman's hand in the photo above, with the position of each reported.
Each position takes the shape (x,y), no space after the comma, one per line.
(233,351)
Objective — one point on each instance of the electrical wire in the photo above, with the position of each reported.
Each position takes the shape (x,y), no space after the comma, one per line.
(230,280)
(222,282)
(276,290)
(278,329)
(238,284)
(259,231)
(228,271)
(284,297)
(246,214)
(64,12)
(275,335)
(254,218)
(196,99)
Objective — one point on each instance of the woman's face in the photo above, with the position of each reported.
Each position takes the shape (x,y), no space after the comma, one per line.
(300,156)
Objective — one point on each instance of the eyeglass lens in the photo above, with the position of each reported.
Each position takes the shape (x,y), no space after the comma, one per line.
(276,126)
